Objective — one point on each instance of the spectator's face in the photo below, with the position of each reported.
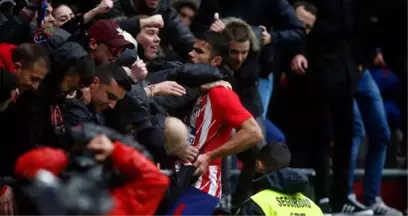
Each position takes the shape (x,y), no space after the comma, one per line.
(49,20)
(104,54)
(30,78)
(69,84)
(152,4)
(186,15)
(307,18)
(13,95)
(150,41)
(62,14)
(201,54)
(238,54)
(105,96)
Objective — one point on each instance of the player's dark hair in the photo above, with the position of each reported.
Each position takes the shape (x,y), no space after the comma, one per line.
(218,42)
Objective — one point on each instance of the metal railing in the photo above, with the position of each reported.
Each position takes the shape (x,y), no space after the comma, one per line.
(357,172)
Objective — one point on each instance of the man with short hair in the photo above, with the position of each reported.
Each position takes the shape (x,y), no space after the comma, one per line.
(29,61)
(214,116)
(109,85)
(306,12)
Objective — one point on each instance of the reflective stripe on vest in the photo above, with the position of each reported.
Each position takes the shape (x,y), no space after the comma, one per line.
(278,204)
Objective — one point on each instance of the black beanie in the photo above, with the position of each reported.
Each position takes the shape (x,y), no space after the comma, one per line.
(8,82)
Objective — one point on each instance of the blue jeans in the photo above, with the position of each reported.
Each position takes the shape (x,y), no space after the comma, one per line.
(368,100)
(273,133)
(265,88)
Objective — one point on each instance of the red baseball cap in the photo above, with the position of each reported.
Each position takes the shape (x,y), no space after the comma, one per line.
(109,33)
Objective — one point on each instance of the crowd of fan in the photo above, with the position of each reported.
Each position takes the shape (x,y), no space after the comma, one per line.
(192,83)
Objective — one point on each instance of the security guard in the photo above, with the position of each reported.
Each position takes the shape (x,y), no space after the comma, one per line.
(280,188)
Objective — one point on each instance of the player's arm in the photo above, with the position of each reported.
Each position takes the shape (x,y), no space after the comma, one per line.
(230,111)
(233,113)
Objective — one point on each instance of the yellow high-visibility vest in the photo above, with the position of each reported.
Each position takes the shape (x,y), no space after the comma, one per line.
(278,204)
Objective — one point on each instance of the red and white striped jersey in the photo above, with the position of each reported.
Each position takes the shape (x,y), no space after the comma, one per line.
(212,119)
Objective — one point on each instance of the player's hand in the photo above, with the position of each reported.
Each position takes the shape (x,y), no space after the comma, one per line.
(202,163)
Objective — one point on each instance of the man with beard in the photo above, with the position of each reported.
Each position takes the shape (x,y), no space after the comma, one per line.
(214,116)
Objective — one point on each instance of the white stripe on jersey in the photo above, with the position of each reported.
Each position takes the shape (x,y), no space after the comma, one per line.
(213,185)
(206,123)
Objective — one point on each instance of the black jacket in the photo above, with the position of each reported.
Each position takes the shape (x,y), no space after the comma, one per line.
(287,30)
(277,16)
(333,49)
(287,181)
(75,112)
(16,30)
(139,116)
(143,117)
(29,123)
(191,76)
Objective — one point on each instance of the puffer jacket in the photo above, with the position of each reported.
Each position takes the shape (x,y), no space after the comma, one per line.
(133,198)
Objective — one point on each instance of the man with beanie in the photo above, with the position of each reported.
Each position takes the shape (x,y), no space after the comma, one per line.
(280,188)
